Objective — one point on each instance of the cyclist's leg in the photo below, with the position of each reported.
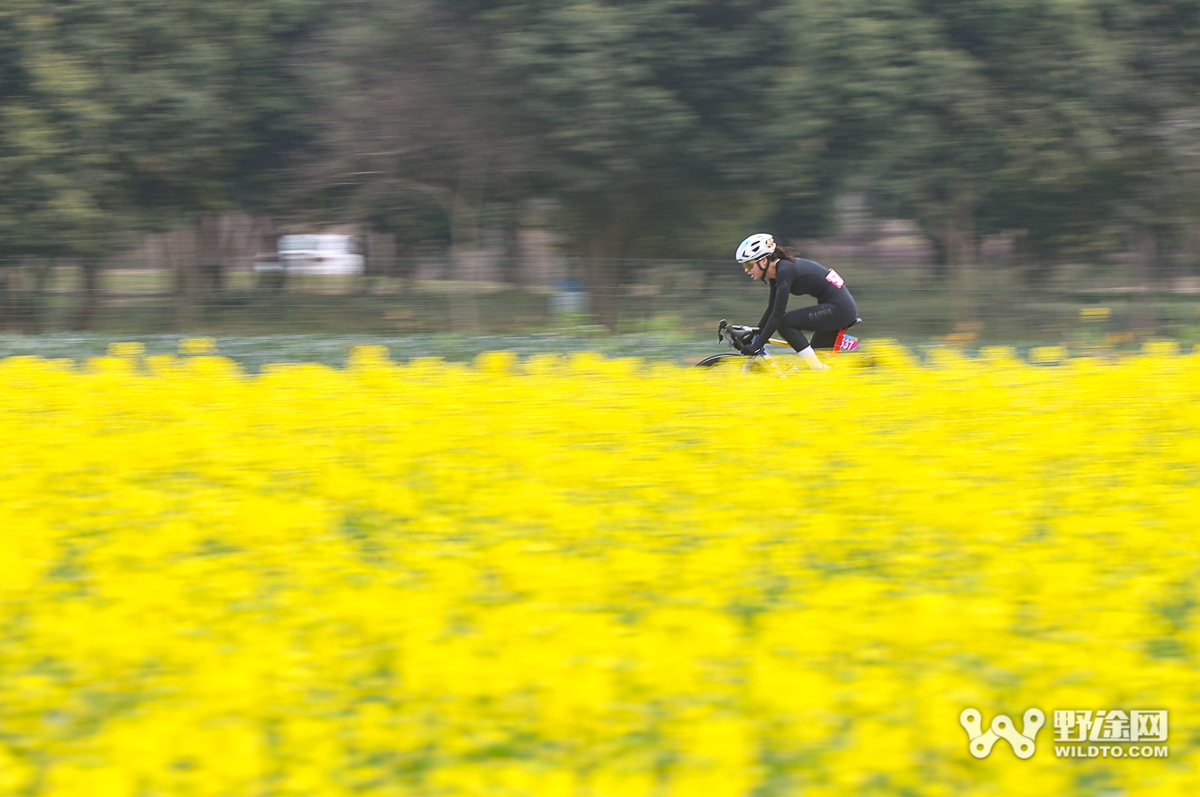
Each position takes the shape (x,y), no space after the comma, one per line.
(831,338)
(825,319)
(826,339)
(795,338)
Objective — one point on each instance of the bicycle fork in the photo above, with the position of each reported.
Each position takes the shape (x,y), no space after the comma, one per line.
(768,359)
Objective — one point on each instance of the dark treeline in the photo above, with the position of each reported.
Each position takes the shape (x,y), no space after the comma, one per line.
(655,127)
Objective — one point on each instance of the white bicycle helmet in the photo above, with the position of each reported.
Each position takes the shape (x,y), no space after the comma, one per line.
(755,247)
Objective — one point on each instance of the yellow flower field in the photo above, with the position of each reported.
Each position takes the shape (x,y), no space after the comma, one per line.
(591,577)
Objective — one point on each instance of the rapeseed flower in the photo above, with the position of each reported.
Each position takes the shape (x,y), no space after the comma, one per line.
(561,576)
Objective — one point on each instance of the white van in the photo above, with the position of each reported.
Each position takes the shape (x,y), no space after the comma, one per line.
(316,254)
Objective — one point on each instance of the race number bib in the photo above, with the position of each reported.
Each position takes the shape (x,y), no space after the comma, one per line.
(835,278)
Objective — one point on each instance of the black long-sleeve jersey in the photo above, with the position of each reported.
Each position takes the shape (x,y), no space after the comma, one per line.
(801,278)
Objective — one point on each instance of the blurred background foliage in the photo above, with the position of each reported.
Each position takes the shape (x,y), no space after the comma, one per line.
(658,128)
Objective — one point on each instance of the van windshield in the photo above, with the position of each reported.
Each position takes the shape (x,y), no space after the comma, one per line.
(292,243)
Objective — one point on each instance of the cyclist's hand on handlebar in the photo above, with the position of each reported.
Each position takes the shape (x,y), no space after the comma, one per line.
(746,346)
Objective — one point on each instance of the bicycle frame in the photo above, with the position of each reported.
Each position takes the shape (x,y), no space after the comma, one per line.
(736,336)
(766,357)
(728,332)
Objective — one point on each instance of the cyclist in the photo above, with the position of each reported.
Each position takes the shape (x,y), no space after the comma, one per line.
(789,274)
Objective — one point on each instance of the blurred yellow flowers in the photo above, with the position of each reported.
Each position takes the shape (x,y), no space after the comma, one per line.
(560,576)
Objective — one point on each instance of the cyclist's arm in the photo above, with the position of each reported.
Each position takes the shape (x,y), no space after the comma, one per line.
(781,289)
(770,304)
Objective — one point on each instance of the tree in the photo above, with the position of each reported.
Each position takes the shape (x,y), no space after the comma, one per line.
(1154,101)
(61,190)
(62,193)
(654,119)
(208,108)
(973,117)
(416,136)
(853,74)
(123,115)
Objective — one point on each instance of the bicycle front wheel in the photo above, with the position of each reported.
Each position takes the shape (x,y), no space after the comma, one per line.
(730,362)
(718,359)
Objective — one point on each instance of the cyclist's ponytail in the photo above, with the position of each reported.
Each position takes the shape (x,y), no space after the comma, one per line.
(784,253)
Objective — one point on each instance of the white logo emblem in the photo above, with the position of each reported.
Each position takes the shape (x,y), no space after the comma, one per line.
(1023,744)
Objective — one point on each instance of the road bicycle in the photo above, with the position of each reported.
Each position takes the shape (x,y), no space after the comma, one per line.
(739,337)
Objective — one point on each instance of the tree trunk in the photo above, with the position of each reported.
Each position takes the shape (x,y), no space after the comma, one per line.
(603,279)
(1150,251)
(1191,249)
(464,301)
(36,304)
(6,301)
(604,244)
(266,242)
(949,221)
(86,311)
(465,254)
(404,266)
(1026,263)
(181,253)
(962,248)
(1143,318)
(510,264)
(22,291)
(210,246)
